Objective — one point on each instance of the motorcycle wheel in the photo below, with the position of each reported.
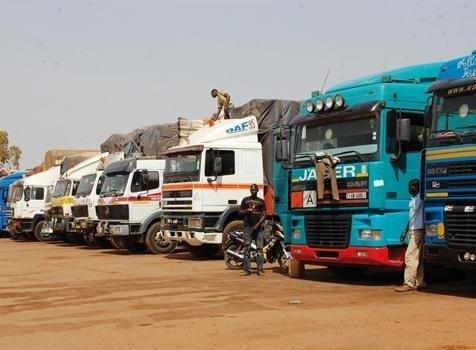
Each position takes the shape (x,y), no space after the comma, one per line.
(232,262)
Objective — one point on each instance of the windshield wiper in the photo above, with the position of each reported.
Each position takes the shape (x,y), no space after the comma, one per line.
(358,154)
(456,134)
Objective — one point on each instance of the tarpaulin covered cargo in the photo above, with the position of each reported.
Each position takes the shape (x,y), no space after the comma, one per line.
(151,140)
(55,156)
(70,162)
(270,114)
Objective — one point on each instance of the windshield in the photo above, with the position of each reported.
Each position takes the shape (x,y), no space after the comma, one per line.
(115,184)
(357,135)
(17,193)
(62,188)
(182,168)
(456,113)
(86,185)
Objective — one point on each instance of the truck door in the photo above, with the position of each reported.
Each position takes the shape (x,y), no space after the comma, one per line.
(222,180)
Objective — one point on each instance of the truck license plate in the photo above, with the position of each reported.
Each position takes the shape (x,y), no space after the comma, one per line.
(356,195)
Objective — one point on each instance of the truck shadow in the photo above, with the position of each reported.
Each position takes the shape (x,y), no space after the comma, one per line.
(458,288)
(183,254)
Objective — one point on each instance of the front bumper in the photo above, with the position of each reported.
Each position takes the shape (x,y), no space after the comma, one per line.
(441,254)
(194,238)
(84,225)
(117,229)
(20,225)
(392,256)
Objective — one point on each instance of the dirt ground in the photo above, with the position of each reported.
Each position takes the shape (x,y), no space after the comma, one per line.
(56,296)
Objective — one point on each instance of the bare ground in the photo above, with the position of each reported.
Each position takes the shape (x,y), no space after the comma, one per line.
(56,296)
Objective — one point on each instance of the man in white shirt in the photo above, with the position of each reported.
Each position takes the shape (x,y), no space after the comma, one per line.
(414,266)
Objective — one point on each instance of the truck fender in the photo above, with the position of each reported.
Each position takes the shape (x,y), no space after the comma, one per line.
(37,218)
(155,216)
(231,211)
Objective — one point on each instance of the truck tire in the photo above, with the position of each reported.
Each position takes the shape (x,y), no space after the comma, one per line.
(232,226)
(134,247)
(37,231)
(297,269)
(155,241)
(102,243)
(203,251)
(347,272)
(74,238)
(89,239)
(117,242)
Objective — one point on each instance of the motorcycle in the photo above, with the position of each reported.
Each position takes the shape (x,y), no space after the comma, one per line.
(274,249)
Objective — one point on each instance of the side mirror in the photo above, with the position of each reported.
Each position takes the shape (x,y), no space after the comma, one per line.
(282,150)
(404,130)
(217,165)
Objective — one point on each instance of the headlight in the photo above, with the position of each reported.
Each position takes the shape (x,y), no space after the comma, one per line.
(329,102)
(116,230)
(435,230)
(195,222)
(319,104)
(339,101)
(431,230)
(296,233)
(310,106)
(370,235)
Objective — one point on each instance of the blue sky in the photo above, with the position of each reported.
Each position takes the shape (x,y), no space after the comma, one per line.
(74,72)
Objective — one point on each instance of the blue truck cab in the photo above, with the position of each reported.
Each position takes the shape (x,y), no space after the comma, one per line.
(5,183)
(449,174)
(375,126)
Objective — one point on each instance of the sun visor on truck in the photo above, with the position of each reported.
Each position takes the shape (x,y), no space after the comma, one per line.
(465,86)
(121,166)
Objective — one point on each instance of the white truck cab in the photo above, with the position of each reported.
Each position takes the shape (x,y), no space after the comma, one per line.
(129,205)
(205,177)
(28,203)
(59,216)
(86,199)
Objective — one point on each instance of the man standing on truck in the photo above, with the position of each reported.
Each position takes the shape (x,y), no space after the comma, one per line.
(224,103)
(414,266)
(253,210)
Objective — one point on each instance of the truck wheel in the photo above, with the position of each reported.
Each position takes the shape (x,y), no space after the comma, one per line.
(156,242)
(347,272)
(39,235)
(117,242)
(89,239)
(203,251)
(233,226)
(134,247)
(74,238)
(297,269)
(102,243)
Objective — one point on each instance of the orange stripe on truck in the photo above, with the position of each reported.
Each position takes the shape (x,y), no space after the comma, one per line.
(207,186)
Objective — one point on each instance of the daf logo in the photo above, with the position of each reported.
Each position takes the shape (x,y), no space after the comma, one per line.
(107,211)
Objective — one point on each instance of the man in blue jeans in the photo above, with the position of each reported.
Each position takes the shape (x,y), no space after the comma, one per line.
(253,210)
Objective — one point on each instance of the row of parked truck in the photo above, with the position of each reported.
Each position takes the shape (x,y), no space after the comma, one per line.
(385,129)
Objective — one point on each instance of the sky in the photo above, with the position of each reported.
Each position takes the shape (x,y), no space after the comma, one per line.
(74,72)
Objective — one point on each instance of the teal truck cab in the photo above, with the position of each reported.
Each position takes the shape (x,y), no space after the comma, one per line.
(449,174)
(374,126)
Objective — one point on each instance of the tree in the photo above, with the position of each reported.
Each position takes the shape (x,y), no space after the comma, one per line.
(9,155)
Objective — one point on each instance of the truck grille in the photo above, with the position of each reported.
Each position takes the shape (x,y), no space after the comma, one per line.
(460,228)
(328,231)
(80,211)
(177,194)
(113,212)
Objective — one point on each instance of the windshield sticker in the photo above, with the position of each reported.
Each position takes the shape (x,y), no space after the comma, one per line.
(379,183)
(462,90)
